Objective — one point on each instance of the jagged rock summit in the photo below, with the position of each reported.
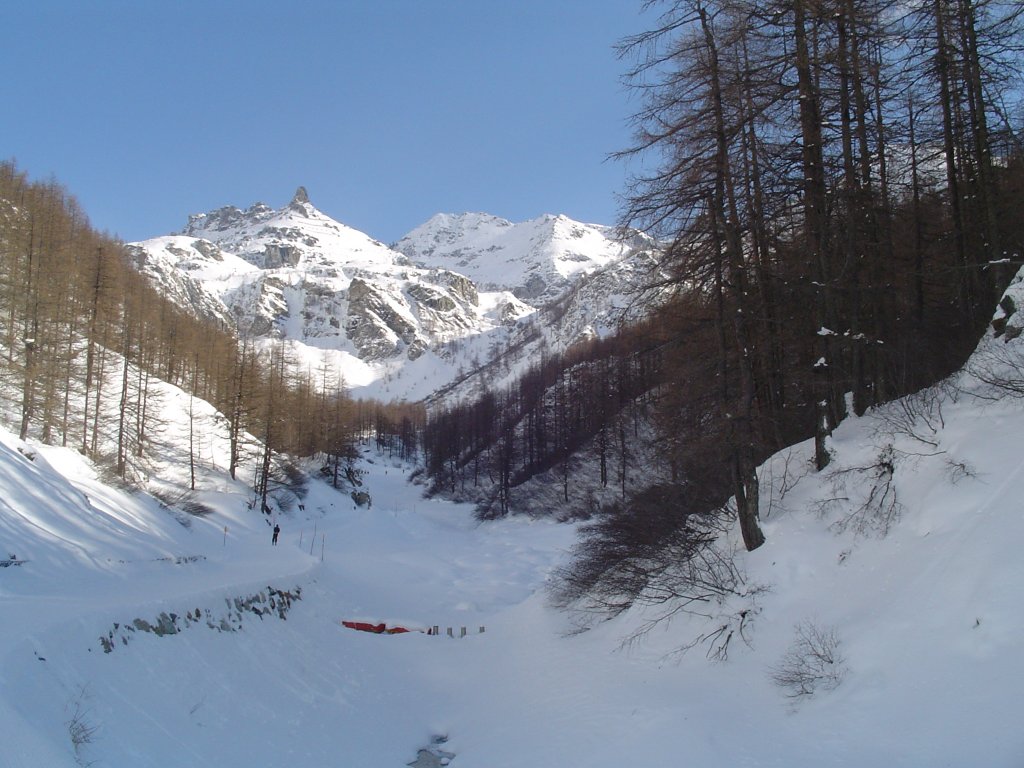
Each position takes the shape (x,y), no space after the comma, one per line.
(268,237)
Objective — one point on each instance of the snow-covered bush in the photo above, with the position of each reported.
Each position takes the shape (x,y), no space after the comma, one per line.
(813,662)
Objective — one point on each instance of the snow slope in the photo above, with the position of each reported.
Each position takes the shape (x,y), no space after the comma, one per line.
(536,259)
(928,618)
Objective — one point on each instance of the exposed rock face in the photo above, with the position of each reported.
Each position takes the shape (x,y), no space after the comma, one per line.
(431,297)
(509,314)
(533,288)
(269,308)
(208,249)
(1001,322)
(184,284)
(275,256)
(460,284)
(593,308)
(374,325)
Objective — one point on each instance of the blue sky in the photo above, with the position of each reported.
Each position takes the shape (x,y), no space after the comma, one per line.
(387,111)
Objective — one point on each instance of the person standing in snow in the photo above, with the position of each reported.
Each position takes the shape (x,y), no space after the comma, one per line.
(277,531)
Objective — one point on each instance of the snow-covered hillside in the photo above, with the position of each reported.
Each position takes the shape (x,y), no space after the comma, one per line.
(537,260)
(596,305)
(137,636)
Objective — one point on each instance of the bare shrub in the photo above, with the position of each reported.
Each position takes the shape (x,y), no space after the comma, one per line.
(878,509)
(1001,368)
(959,470)
(813,662)
(917,416)
(290,485)
(81,730)
(649,550)
(776,485)
(718,639)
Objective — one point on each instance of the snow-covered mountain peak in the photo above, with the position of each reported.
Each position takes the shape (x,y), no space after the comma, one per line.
(537,259)
(333,292)
(447,228)
(297,233)
(449,296)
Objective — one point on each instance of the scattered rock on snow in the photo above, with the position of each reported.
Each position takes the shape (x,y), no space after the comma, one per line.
(432,756)
(269,602)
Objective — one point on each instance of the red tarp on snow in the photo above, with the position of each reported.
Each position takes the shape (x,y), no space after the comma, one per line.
(378,629)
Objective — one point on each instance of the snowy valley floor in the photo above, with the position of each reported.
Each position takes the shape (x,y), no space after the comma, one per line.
(929,620)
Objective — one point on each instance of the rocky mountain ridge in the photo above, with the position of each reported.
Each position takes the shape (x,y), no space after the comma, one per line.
(537,260)
(396,322)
